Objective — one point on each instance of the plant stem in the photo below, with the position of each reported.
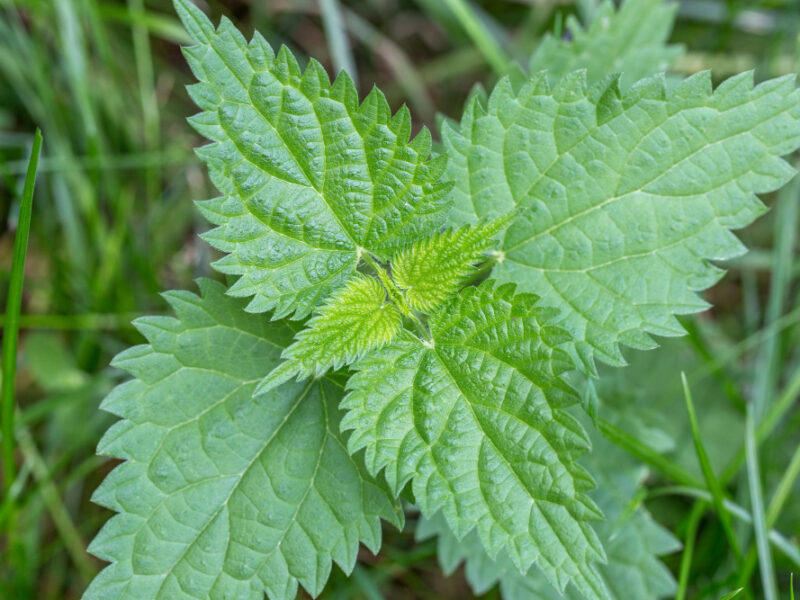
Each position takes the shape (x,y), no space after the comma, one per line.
(13,304)
(394,293)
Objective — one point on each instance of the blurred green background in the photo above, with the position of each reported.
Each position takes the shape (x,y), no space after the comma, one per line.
(113,224)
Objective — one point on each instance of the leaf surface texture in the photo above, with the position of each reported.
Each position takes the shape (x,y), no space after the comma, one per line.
(475,418)
(430,270)
(623,197)
(633,542)
(309,176)
(222,494)
(357,318)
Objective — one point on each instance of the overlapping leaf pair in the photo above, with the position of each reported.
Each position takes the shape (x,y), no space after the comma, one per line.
(606,203)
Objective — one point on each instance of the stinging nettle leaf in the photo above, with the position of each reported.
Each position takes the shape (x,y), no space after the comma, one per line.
(355,319)
(430,270)
(222,494)
(624,197)
(475,418)
(310,177)
(631,41)
(633,541)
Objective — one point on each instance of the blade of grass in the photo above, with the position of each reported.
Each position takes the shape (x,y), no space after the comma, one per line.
(163,26)
(788,548)
(480,35)
(769,358)
(786,400)
(69,533)
(717,361)
(708,472)
(689,485)
(77,62)
(12,498)
(757,502)
(646,454)
(748,343)
(26,63)
(697,338)
(721,357)
(733,594)
(337,38)
(688,548)
(784,489)
(147,93)
(774,509)
(13,304)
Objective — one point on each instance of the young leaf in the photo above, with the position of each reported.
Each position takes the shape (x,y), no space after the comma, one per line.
(624,196)
(631,41)
(226,495)
(309,176)
(632,541)
(430,270)
(355,319)
(475,418)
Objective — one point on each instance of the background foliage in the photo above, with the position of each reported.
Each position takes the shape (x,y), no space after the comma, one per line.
(113,225)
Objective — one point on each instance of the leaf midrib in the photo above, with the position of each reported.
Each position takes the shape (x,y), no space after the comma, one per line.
(247,89)
(235,487)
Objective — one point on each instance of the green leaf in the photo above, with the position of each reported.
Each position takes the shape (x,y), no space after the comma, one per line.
(475,418)
(357,318)
(223,495)
(624,197)
(309,176)
(631,41)
(633,541)
(430,270)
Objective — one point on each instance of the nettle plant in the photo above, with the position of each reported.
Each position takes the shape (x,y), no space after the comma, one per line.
(406,329)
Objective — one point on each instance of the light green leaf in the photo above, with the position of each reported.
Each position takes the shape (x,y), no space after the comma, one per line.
(223,495)
(355,319)
(633,542)
(631,41)
(309,176)
(475,418)
(430,270)
(625,196)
